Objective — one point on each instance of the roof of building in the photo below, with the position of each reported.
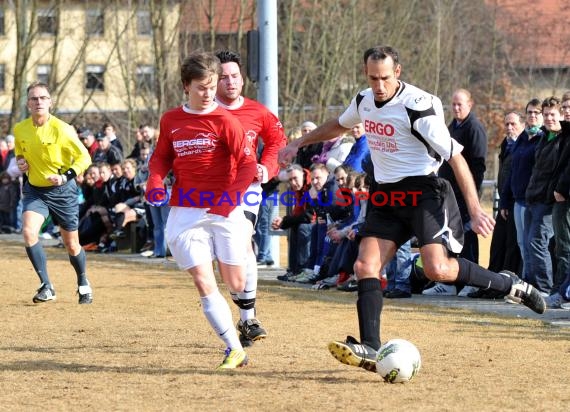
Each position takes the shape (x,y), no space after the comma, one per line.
(536,32)
(223,16)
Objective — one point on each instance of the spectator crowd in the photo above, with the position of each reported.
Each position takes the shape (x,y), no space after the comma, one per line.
(328,184)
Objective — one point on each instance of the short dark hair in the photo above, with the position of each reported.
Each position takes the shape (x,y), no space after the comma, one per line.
(228,56)
(535,101)
(381,53)
(551,101)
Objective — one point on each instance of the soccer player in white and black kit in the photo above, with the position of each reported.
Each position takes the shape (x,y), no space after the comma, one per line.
(408,141)
(259,123)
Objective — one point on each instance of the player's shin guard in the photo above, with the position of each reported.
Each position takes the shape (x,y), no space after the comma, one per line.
(369,308)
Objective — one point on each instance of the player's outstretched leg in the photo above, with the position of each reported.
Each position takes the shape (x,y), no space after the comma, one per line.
(516,290)
(524,293)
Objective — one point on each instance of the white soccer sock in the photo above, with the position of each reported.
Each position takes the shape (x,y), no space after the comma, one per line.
(219,315)
(250,290)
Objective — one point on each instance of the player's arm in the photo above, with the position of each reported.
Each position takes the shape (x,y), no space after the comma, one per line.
(159,164)
(482,223)
(274,139)
(21,161)
(243,154)
(328,130)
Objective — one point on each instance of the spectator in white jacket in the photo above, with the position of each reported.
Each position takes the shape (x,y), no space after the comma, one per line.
(334,152)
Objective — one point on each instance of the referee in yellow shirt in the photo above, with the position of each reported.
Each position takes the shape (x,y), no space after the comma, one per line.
(49,152)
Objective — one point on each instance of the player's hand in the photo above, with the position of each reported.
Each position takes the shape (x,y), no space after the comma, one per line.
(287,154)
(23,165)
(262,174)
(155,192)
(55,180)
(482,223)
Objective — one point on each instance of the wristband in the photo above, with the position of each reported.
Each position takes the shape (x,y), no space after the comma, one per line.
(63,179)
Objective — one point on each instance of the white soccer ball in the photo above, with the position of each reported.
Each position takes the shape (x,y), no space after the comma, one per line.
(398,361)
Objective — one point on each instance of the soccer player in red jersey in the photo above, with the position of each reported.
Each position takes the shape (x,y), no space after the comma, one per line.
(259,123)
(213,164)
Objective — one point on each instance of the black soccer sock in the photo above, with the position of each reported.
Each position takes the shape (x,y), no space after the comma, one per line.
(369,308)
(38,258)
(78,263)
(472,274)
(119,220)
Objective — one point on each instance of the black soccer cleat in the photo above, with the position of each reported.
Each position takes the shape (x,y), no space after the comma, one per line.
(524,293)
(85,295)
(351,352)
(250,331)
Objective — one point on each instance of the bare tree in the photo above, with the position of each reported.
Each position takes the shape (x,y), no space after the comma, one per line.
(25,34)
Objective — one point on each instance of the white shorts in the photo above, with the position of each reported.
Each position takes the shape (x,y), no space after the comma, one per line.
(251,199)
(196,237)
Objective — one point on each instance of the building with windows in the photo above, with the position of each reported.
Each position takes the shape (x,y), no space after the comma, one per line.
(112,56)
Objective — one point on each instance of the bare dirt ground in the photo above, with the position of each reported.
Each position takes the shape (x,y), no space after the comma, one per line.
(144,345)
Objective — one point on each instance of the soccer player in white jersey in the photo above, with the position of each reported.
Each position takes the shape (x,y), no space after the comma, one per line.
(408,141)
(213,164)
(259,123)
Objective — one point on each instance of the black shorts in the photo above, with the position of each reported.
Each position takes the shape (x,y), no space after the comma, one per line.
(423,206)
(61,202)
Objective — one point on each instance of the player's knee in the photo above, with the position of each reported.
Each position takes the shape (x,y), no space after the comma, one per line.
(363,268)
(30,235)
(437,271)
(236,284)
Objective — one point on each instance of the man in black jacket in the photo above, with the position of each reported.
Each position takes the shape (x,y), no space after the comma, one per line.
(504,251)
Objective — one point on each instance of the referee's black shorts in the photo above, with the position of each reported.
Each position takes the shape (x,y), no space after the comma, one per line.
(423,206)
(61,202)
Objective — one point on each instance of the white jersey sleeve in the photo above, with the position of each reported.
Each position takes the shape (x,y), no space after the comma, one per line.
(407,135)
(350,117)
(426,115)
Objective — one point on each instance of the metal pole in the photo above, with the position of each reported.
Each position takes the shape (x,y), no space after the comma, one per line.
(267,92)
